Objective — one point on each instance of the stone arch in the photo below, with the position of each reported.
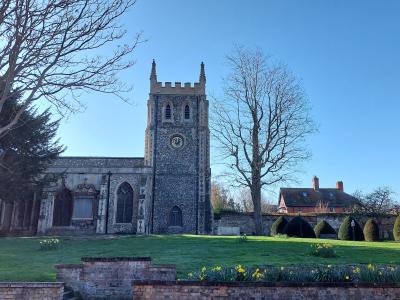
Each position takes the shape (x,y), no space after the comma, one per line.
(63,205)
(124,211)
(187,111)
(175,216)
(168,112)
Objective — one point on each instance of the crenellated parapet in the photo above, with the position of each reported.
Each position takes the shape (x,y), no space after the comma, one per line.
(178,89)
(188,88)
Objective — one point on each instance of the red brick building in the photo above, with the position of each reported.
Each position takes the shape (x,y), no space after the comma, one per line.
(315,199)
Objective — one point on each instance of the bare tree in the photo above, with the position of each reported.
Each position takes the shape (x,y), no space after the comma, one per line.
(245,199)
(219,196)
(53,50)
(261,124)
(378,204)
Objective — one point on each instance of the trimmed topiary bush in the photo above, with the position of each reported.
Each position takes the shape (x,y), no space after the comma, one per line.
(396,229)
(323,227)
(346,231)
(371,231)
(299,227)
(278,226)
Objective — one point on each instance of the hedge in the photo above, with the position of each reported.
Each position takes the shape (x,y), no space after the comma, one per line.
(371,231)
(346,231)
(278,226)
(299,227)
(323,227)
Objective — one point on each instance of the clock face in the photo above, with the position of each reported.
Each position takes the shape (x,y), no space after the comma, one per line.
(177,141)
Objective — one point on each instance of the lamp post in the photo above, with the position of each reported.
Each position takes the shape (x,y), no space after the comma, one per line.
(353,224)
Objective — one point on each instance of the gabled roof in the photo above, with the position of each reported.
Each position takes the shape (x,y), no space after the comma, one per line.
(310,197)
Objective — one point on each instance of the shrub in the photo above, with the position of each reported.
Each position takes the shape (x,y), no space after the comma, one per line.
(371,231)
(278,226)
(346,231)
(323,227)
(396,229)
(323,250)
(242,238)
(300,228)
(49,244)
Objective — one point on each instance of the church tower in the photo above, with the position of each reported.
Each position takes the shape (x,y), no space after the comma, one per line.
(178,151)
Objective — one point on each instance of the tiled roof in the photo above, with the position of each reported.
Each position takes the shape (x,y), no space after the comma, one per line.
(310,197)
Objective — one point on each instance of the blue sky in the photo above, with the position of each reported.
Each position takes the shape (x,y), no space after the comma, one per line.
(347,54)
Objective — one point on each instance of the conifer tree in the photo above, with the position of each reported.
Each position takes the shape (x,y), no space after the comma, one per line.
(26,150)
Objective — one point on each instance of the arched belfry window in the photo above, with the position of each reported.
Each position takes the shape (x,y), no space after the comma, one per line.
(175,217)
(168,112)
(187,112)
(124,203)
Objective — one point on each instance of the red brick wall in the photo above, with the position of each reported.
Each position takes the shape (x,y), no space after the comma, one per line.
(31,290)
(198,290)
(111,277)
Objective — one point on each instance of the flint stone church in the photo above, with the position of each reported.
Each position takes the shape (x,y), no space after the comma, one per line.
(167,191)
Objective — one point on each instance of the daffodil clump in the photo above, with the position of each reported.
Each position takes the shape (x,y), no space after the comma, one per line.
(49,244)
(359,273)
(323,250)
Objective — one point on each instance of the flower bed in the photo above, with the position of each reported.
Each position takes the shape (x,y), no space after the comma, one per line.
(301,274)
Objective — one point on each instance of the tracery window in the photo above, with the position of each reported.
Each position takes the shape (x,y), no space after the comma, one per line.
(168,112)
(175,216)
(124,203)
(187,112)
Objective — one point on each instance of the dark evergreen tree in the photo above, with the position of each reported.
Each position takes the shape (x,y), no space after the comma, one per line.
(278,226)
(396,229)
(26,150)
(323,227)
(371,231)
(299,227)
(346,230)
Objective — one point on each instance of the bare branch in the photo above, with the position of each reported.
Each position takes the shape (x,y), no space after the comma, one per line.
(53,49)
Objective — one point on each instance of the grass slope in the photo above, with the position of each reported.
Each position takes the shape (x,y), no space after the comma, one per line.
(21,259)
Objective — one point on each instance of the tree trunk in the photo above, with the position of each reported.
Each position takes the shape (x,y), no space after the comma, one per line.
(256,196)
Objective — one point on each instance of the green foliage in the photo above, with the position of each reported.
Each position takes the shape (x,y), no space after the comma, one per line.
(323,250)
(346,231)
(371,231)
(28,148)
(379,274)
(323,227)
(49,244)
(396,229)
(299,227)
(278,226)
(301,274)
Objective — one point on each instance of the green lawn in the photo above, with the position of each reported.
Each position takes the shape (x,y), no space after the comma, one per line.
(21,259)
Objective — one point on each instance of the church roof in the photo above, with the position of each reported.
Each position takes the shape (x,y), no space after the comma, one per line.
(96,162)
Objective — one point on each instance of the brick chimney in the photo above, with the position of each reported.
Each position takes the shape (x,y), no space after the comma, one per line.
(339,186)
(315,183)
